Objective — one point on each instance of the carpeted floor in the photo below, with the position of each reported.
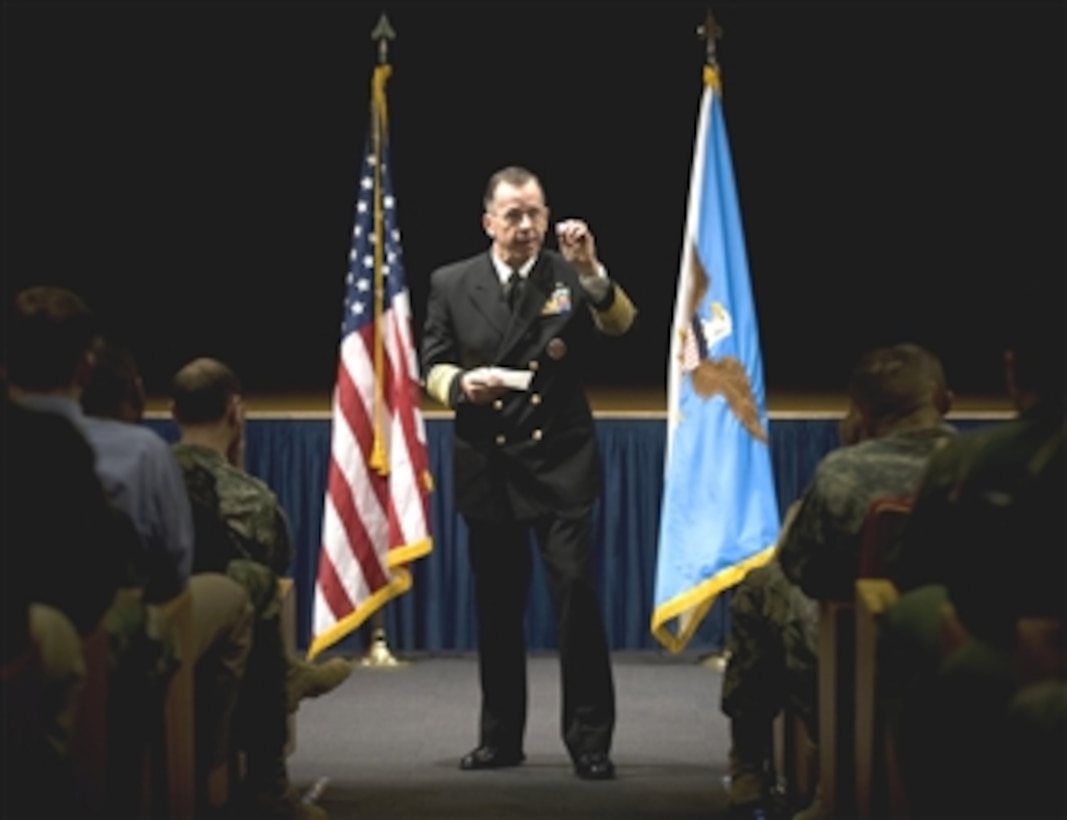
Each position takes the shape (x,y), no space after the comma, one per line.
(388,743)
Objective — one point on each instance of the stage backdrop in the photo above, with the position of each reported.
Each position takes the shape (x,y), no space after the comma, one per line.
(290,453)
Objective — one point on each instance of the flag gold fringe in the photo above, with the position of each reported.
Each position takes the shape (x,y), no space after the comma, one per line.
(694,604)
(399,583)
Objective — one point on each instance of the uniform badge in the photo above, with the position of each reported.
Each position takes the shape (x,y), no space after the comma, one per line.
(559,302)
(557,348)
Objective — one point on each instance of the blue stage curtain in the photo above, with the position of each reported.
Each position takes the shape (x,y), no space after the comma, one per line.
(291,455)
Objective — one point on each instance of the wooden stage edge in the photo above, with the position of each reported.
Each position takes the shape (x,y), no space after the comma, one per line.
(608,403)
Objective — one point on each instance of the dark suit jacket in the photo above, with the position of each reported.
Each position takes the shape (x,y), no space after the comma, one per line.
(64,544)
(531,452)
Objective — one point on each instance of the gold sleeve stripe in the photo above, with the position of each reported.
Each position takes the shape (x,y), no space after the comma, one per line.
(617,319)
(439,381)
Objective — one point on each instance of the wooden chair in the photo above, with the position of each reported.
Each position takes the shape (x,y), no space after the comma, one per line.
(175,763)
(22,684)
(879,785)
(170,762)
(881,530)
(837,662)
(36,684)
(99,788)
(794,766)
(91,735)
(1040,652)
(287,595)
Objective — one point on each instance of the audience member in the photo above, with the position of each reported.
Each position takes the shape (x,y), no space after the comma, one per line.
(899,398)
(53,340)
(894,422)
(53,509)
(974,648)
(254,546)
(134,464)
(115,390)
(57,516)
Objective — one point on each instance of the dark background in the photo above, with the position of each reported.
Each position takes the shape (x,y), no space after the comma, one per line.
(191,168)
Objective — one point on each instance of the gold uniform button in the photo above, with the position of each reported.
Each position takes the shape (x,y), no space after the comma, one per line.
(498,404)
(535,398)
(500,439)
(536,435)
(534,365)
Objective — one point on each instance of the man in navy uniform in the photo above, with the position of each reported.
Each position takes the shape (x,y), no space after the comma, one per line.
(502,345)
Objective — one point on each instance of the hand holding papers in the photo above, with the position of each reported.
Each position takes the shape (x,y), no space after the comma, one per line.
(511,379)
(483,384)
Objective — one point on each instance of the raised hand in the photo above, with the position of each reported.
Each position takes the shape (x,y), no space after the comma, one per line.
(577,245)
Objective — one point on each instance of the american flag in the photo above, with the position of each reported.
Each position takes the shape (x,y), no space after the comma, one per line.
(376,518)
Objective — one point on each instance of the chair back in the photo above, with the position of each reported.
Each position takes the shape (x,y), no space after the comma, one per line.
(91,761)
(881,530)
(837,661)
(880,788)
(22,688)
(174,619)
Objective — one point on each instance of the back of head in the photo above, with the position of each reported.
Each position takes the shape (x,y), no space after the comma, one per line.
(889,384)
(50,332)
(114,389)
(202,392)
(934,373)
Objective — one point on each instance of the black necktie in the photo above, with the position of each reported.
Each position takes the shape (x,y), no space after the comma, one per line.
(513,290)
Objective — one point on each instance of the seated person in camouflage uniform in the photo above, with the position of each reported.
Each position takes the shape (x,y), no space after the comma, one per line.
(895,421)
(243,530)
(979,696)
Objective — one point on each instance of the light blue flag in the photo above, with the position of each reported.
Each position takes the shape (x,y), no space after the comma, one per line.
(720,512)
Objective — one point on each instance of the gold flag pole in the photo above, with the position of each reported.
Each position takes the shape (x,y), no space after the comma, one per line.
(717,662)
(378,655)
(710,32)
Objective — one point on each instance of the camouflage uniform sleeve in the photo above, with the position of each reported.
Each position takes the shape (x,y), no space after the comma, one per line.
(283,549)
(252,510)
(794,551)
(214,543)
(260,583)
(818,552)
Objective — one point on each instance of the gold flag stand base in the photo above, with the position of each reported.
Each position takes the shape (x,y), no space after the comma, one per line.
(716,662)
(379,656)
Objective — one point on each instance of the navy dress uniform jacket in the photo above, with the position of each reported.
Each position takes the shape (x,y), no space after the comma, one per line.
(533,452)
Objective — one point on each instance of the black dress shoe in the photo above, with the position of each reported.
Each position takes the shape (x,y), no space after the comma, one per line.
(490,757)
(594,766)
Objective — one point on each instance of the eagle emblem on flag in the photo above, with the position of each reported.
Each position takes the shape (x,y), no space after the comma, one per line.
(725,376)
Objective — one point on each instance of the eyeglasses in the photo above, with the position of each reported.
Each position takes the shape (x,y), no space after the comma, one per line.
(514,216)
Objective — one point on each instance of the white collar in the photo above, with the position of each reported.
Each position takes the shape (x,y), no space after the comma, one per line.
(504,271)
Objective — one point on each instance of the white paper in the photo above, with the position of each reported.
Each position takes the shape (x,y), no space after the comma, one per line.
(511,379)
(502,377)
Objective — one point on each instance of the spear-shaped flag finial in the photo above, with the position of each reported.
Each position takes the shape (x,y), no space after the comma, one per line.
(710,33)
(383,33)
